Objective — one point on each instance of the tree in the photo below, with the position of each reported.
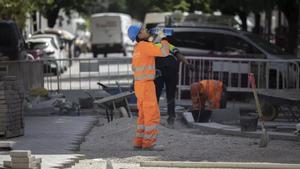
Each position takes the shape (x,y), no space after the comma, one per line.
(15,10)
(138,8)
(290,9)
(50,8)
(202,5)
(242,8)
(117,6)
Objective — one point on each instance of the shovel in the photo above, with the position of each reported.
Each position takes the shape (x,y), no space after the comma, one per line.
(264,137)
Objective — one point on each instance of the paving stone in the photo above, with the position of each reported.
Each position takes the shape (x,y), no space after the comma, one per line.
(22,165)
(56,132)
(23,159)
(7,164)
(38,160)
(20,153)
(6,144)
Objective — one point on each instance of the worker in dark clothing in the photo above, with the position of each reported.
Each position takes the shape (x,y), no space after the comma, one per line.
(168,68)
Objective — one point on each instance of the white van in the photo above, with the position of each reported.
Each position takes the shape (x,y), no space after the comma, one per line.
(109,33)
(153,19)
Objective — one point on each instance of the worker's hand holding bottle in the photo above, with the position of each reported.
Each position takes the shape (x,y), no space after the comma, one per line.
(158,33)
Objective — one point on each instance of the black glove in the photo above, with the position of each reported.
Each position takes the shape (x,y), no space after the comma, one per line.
(190,67)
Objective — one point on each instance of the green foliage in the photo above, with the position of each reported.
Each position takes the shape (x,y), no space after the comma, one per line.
(138,8)
(51,8)
(15,10)
(117,6)
(200,5)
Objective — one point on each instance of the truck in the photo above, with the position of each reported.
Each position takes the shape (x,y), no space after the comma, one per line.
(153,19)
(109,33)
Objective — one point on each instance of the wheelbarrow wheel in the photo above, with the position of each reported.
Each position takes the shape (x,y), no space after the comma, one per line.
(123,112)
(270,111)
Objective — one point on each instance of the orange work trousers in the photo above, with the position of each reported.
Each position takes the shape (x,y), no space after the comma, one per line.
(148,115)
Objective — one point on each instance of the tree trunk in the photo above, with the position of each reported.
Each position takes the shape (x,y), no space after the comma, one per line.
(243,17)
(268,23)
(291,13)
(34,22)
(256,29)
(293,36)
(192,6)
(52,15)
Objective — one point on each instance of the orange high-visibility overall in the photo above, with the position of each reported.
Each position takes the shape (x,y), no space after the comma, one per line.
(143,66)
(206,90)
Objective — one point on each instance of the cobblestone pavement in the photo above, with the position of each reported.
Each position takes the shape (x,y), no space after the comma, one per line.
(52,138)
(113,141)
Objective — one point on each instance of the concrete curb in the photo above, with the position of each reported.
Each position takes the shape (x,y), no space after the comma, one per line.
(76,146)
(80,138)
(216,128)
(67,155)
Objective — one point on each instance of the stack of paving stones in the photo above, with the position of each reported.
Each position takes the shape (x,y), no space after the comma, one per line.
(22,159)
(11,107)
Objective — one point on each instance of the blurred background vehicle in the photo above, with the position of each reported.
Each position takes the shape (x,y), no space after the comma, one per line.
(109,33)
(216,41)
(12,43)
(152,19)
(35,50)
(66,38)
(58,47)
(52,51)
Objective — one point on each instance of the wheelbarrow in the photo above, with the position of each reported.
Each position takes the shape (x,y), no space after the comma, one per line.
(117,101)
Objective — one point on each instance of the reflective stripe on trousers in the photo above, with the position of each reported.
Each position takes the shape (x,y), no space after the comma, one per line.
(145,77)
(147,137)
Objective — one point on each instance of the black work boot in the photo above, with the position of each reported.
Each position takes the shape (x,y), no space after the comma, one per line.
(170,122)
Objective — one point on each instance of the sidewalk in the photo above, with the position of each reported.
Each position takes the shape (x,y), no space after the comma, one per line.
(53,138)
(234,130)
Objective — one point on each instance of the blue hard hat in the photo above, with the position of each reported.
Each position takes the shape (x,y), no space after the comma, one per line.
(133,31)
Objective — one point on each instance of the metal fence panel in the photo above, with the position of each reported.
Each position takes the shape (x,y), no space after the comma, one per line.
(276,74)
(85,73)
(30,73)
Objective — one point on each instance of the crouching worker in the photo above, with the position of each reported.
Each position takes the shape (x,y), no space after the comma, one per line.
(212,92)
(143,66)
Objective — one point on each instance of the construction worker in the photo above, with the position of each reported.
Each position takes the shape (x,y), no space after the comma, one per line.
(143,66)
(168,68)
(207,91)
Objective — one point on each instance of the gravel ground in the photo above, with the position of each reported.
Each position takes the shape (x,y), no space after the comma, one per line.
(114,141)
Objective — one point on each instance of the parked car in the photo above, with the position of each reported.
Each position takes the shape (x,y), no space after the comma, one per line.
(109,33)
(67,38)
(225,42)
(61,52)
(52,53)
(35,50)
(12,44)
